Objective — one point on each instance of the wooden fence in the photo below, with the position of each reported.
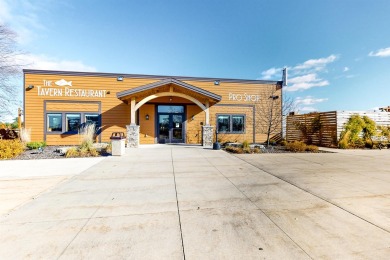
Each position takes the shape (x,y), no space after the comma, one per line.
(325,135)
(331,125)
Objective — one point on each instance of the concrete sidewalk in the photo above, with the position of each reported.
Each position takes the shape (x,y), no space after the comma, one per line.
(175,202)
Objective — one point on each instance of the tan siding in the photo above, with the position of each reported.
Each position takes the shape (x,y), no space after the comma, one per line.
(76,107)
(147,127)
(115,114)
(194,127)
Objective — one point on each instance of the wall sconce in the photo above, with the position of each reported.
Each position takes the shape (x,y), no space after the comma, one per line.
(147,117)
(108,92)
(119,78)
(193,118)
(216,82)
(30,87)
(170,99)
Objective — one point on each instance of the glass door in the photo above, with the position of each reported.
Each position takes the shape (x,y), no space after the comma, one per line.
(163,128)
(170,128)
(177,129)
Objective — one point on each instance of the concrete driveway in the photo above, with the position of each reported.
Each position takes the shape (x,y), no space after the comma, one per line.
(176,202)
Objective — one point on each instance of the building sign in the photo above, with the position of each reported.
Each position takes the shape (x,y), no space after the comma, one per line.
(65,89)
(244,97)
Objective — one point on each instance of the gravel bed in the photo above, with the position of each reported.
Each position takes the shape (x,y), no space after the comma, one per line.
(48,152)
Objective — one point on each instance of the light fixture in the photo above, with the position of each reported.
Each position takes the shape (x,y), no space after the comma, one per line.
(108,92)
(193,117)
(30,87)
(147,117)
(216,82)
(170,98)
(119,78)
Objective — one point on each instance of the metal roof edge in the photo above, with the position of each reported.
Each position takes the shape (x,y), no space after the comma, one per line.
(158,77)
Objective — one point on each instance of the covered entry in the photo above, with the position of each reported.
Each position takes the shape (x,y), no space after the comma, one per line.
(169,118)
(170,124)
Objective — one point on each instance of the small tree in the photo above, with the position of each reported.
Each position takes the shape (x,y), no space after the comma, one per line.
(9,68)
(271,111)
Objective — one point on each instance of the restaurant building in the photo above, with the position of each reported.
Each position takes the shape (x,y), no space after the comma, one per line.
(149,109)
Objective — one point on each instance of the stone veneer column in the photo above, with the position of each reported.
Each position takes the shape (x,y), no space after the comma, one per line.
(207,136)
(132,135)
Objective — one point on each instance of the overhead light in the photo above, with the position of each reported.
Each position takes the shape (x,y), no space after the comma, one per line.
(30,87)
(216,82)
(119,78)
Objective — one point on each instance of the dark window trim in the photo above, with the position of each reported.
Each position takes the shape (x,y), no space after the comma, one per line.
(63,115)
(45,112)
(66,125)
(231,123)
(46,123)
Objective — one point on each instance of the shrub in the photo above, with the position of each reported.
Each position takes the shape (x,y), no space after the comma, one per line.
(35,145)
(72,152)
(312,148)
(245,144)
(10,148)
(296,146)
(93,152)
(246,150)
(343,144)
(86,136)
(233,149)
(368,144)
(256,150)
(109,148)
(283,142)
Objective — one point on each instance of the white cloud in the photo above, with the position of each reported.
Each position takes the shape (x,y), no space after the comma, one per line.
(21,16)
(307,109)
(306,82)
(346,69)
(32,61)
(380,53)
(305,75)
(315,64)
(270,73)
(309,100)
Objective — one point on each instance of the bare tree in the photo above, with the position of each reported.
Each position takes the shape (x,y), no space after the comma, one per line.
(9,69)
(271,111)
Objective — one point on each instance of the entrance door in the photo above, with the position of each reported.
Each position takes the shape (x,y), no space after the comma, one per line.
(170,125)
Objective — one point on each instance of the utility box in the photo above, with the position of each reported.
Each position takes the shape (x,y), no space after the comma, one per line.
(118,141)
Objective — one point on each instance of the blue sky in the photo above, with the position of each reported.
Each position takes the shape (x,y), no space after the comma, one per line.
(337,51)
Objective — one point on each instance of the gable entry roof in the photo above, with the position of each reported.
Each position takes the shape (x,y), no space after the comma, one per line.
(164,82)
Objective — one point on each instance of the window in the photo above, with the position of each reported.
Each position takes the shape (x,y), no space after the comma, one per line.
(231,123)
(73,122)
(92,119)
(70,123)
(238,123)
(54,122)
(223,123)
(170,109)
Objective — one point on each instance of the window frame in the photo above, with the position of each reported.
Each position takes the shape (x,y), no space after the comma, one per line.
(47,122)
(64,122)
(230,131)
(67,123)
